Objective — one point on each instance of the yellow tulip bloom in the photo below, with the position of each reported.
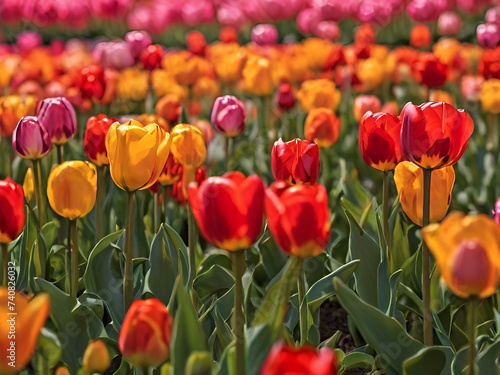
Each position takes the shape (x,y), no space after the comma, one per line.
(30,318)
(257,76)
(72,188)
(28,184)
(409,180)
(467,252)
(490,96)
(318,93)
(96,357)
(137,154)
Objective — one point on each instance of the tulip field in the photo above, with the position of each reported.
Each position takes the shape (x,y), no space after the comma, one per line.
(256,187)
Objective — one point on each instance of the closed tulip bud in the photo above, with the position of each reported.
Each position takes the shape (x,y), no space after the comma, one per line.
(137,154)
(151,57)
(229,210)
(30,139)
(318,93)
(72,188)
(94,141)
(322,127)
(467,253)
(137,41)
(58,116)
(471,87)
(420,36)
(326,30)
(296,161)
(430,71)
(379,143)
(257,76)
(298,218)
(490,96)
(365,103)
(11,210)
(228,34)
(488,35)
(287,360)
(196,43)
(169,107)
(264,35)
(146,332)
(434,135)
(29,320)
(409,180)
(449,23)
(228,116)
(286,99)
(12,109)
(96,357)
(28,184)
(188,145)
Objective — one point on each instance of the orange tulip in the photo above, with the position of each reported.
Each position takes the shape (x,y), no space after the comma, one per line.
(12,108)
(318,93)
(322,127)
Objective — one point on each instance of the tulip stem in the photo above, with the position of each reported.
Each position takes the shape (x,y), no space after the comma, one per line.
(385,209)
(301,286)
(67,262)
(74,257)
(472,336)
(156,203)
(191,245)
(101,186)
(37,177)
(5,260)
(128,280)
(426,292)
(60,154)
(164,201)
(239,315)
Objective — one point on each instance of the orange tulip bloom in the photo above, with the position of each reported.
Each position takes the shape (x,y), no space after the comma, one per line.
(12,108)
(318,93)
(322,127)
(30,318)
(467,252)
(420,36)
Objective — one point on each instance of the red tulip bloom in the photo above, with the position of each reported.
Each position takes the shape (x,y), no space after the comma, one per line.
(430,71)
(434,135)
(296,161)
(286,360)
(145,334)
(11,210)
(90,81)
(151,57)
(298,218)
(379,136)
(95,137)
(229,209)
(286,99)
(177,191)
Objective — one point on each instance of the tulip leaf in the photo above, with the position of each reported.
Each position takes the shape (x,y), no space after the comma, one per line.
(217,280)
(273,259)
(323,289)
(383,333)
(260,339)
(487,360)
(433,360)
(223,331)
(358,360)
(38,260)
(364,248)
(76,323)
(48,349)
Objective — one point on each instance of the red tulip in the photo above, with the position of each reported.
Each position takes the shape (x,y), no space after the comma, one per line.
(95,137)
(379,135)
(145,334)
(178,194)
(434,135)
(151,56)
(430,71)
(11,210)
(90,81)
(286,99)
(286,360)
(298,218)
(296,161)
(229,209)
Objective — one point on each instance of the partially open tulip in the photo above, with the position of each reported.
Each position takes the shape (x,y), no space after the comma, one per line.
(228,116)
(467,253)
(229,210)
(287,360)
(30,139)
(298,218)
(72,188)
(91,82)
(322,127)
(145,334)
(96,358)
(30,318)
(136,153)
(264,34)
(12,109)
(430,71)
(365,103)
(409,180)
(379,135)
(434,135)
(59,118)
(295,161)
(470,87)
(94,141)
(11,210)
(317,93)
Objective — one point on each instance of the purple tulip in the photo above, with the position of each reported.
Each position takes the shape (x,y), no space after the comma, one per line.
(488,35)
(137,41)
(264,35)
(30,139)
(58,116)
(228,116)
(449,23)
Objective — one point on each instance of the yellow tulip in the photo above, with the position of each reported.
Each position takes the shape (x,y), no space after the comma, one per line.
(227,60)
(490,95)
(28,185)
(132,84)
(467,252)
(72,188)
(371,72)
(96,357)
(409,180)
(30,318)
(136,153)
(186,67)
(257,76)
(318,93)
(164,83)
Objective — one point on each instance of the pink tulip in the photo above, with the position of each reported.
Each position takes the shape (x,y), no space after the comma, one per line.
(326,30)
(470,87)
(114,54)
(196,12)
(110,9)
(493,15)
(137,41)
(231,15)
(425,10)
(28,40)
(10,11)
(488,35)
(280,10)
(228,116)
(306,18)
(254,11)
(75,14)
(30,138)
(449,23)
(264,35)
(153,18)
(58,116)
(472,6)
(496,212)
(374,12)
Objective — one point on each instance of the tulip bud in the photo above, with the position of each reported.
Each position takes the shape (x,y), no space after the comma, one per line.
(206,130)
(493,15)
(420,36)
(326,30)
(449,23)
(145,334)
(306,18)
(264,35)
(151,57)
(286,99)
(58,116)
(28,41)
(11,210)
(96,357)
(30,139)
(296,161)
(488,35)
(322,127)
(365,103)
(94,141)
(137,41)
(196,43)
(228,116)
(28,185)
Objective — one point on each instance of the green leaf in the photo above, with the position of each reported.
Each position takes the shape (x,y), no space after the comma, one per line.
(431,360)
(48,348)
(358,360)
(217,280)
(383,333)
(487,360)
(259,343)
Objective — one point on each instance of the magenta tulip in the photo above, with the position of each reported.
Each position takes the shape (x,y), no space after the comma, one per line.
(228,116)
(58,116)
(137,41)
(264,35)
(30,138)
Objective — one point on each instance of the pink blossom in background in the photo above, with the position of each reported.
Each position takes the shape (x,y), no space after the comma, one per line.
(306,18)
(264,35)
(332,10)
(150,17)
(231,15)
(75,14)
(114,54)
(470,87)
(488,35)
(109,9)
(282,10)
(425,10)
(493,15)
(472,6)
(137,41)
(326,29)
(28,40)
(10,11)
(41,13)
(449,23)
(254,11)
(374,12)
(197,11)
